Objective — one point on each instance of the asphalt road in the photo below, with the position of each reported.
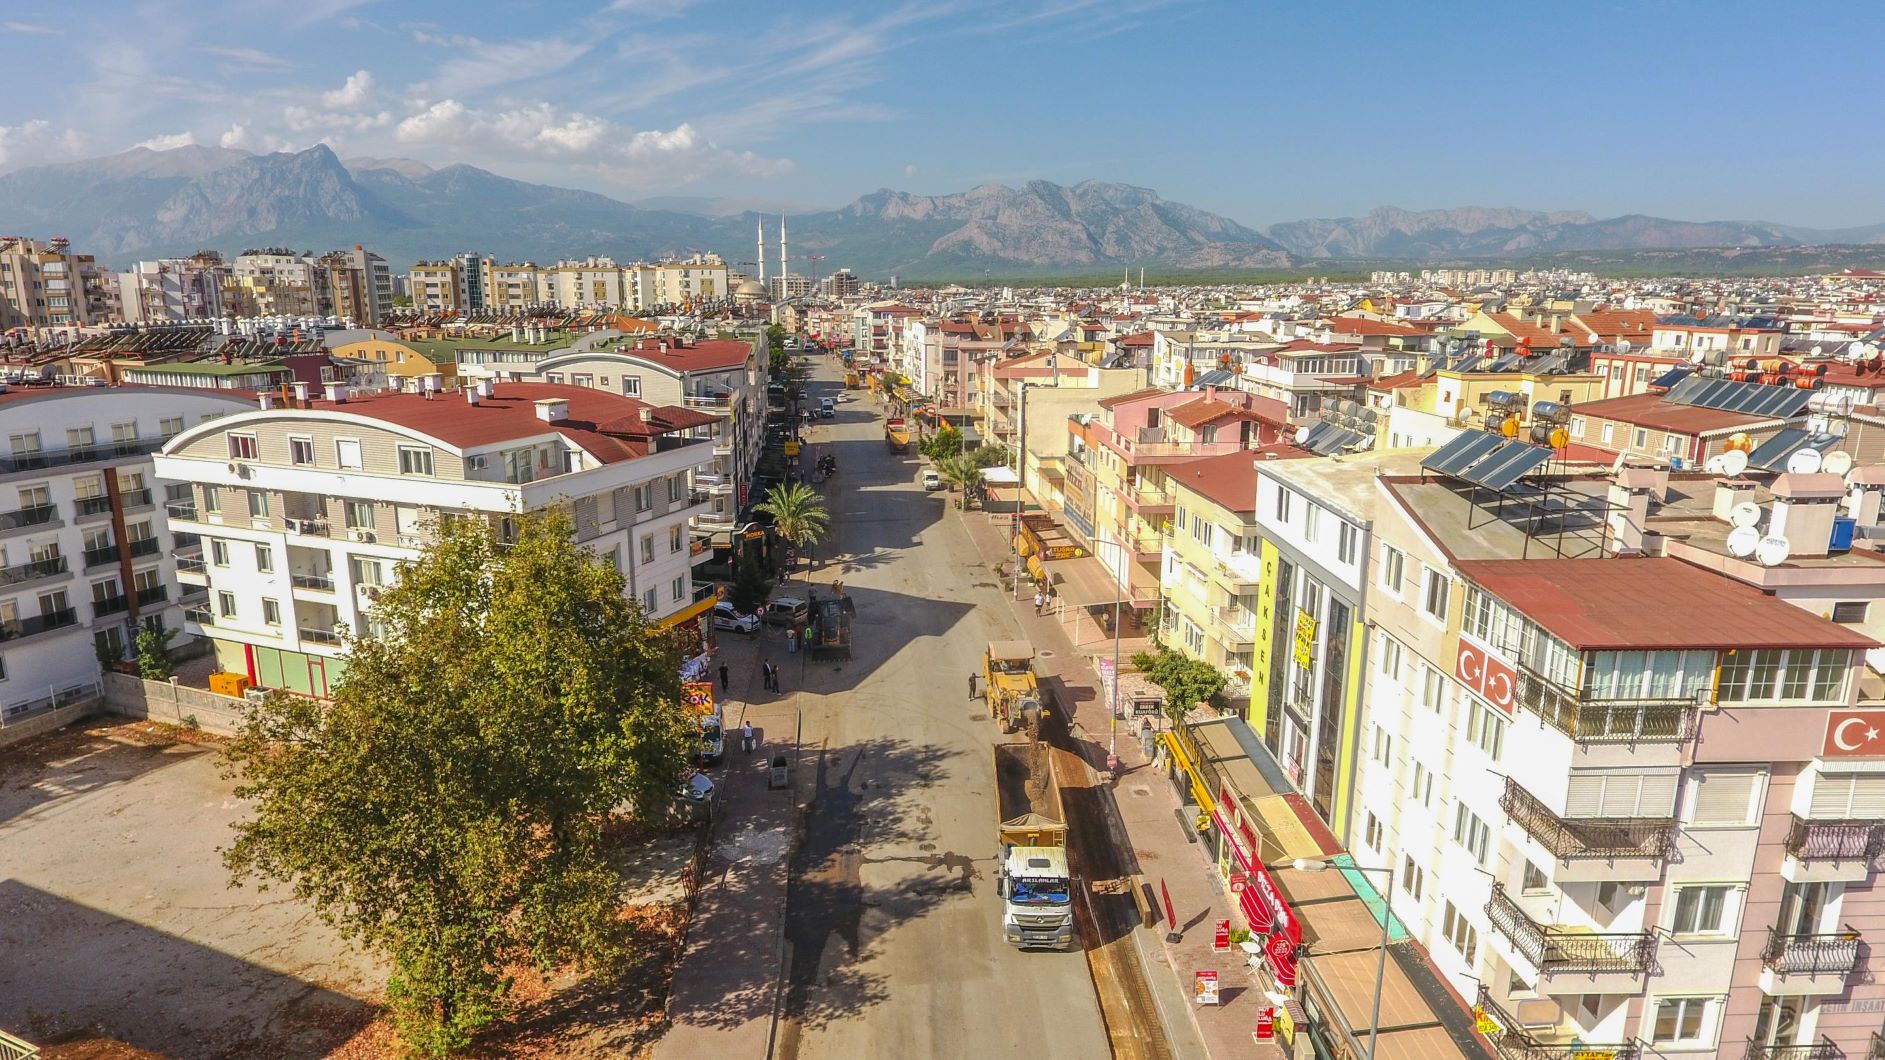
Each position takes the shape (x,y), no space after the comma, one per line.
(892,924)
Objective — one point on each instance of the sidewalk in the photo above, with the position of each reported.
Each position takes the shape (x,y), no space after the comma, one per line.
(1166,854)
(726,986)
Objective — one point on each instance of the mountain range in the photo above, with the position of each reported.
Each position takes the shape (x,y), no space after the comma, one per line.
(145,203)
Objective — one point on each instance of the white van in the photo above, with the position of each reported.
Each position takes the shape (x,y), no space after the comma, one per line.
(828,408)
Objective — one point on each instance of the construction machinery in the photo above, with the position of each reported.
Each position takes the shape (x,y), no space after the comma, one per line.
(897,435)
(1014,696)
(850,381)
(828,634)
(1031,878)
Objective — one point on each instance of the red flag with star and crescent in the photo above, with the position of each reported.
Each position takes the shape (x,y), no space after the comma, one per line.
(1854,734)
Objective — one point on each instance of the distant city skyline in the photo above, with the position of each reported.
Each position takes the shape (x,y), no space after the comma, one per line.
(1262,114)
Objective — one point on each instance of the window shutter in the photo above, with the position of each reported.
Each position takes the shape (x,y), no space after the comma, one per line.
(1658,797)
(1847,795)
(1722,798)
(1620,795)
(1585,797)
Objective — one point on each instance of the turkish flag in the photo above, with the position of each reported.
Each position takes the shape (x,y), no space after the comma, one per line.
(1854,734)
(1486,674)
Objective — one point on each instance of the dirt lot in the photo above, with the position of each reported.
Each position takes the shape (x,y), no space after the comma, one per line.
(119,925)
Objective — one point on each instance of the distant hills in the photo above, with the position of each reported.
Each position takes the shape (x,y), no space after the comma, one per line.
(146,203)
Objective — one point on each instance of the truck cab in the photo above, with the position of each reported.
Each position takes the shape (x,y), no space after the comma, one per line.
(1036,897)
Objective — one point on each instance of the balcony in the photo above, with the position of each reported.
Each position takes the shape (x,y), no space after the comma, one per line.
(1148,500)
(1595,844)
(111,605)
(1242,573)
(145,546)
(322,583)
(1517,1041)
(1618,721)
(134,500)
(325,637)
(92,507)
(1793,965)
(1824,1049)
(1569,960)
(40,459)
(28,518)
(19,628)
(36,570)
(155,594)
(183,542)
(1828,851)
(202,616)
(1148,547)
(103,555)
(181,510)
(307,527)
(1237,625)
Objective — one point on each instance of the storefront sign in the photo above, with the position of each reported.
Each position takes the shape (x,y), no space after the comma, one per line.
(1262,903)
(1485,1024)
(1305,639)
(1282,953)
(1854,734)
(1204,988)
(1220,939)
(1286,1023)
(1238,881)
(698,695)
(791,448)
(1490,677)
(1266,1023)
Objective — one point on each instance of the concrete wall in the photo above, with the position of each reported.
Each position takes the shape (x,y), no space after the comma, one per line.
(57,718)
(171,704)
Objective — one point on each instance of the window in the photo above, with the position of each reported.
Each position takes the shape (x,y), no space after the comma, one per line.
(1700,910)
(1471,833)
(1413,877)
(1383,746)
(1390,658)
(1433,689)
(170,426)
(264,559)
(1721,798)
(1606,793)
(1847,796)
(1534,879)
(648,601)
(347,453)
(365,571)
(271,611)
(1640,440)
(415,460)
(242,447)
(647,548)
(644,497)
(1679,1020)
(1393,565)
(301,450)
(219,552)
(1347,538)
(212,499)
(1433,594)
(676,489)
(631,386)
(1372,831)
(1282,506)
(1486,729)
(676,538)
(1459,932)
(226,604)
(1311,521)
(1422,788)
(1609,431)
(258,504)
(1577,426)
(1849,612)
(677,589)
(359,515)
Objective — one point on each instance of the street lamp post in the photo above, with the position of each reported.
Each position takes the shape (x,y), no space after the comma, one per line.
(1387,918)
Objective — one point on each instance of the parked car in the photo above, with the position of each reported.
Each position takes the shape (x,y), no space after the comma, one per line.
(726,616)
(787,611)
(932,480)
(828,408)
(696,787)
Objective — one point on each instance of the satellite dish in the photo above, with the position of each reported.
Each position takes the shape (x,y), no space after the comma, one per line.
(1617,465)
(1742,541)
(1772,551)
(1733,463)
(1745,514)
(1716,465)
(1623,345)
(1804,462)
(1837,463)
(1302,435)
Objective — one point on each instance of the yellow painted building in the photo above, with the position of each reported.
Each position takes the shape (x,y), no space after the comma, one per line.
(399,358)
(1210,571)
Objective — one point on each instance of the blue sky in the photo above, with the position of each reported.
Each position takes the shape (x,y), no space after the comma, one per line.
(1263,112)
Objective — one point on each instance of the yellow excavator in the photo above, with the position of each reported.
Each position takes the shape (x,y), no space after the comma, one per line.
(1014,695)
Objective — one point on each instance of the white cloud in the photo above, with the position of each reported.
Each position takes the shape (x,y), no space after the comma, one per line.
(239,138)
(28,27)
(910,170)
(35,143)
(247,58)
(168,141)
(542,132)
(478,66)
(304,119)
(357,90)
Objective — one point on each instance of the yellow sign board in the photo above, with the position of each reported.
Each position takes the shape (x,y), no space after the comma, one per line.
(1485,1024)
(698,696)
(791,448)
(1305,639)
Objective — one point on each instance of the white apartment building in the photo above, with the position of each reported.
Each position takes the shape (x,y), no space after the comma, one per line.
(87,552)
(175,289)
(306,511)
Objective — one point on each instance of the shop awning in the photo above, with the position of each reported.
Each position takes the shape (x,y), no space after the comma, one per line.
(1084,581)
(688,613)
(1000,476)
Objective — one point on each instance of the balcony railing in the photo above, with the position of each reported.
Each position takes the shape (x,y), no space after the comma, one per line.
(1576,838)
(37,515)
(109,606)
(1846,840)
(26,572)
(1556,950)
(135,498)
(1789,954)
(98,557)
(145,546)
(322,582)
(191,565)
(1589,720)
(181,509)
(202,616)
(1514,1042)
(319,636)
(1824,1049)
(1876,1051)
(83,454)
(155,594)
(42,623)
(182,541)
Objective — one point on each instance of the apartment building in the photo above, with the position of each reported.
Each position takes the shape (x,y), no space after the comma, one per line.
(173,290)
(1630,802)
(280,282)
(46,285)
(87,551)
(359,285)
(306,510)
(1210,554)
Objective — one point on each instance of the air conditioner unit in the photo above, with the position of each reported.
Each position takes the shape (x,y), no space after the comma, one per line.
(357,534)
(294,525)
(476,463)
(255,695)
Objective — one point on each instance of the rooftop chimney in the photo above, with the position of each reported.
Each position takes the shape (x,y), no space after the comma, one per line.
(301,393)
(1728,493)
(471,395)
(267,399)
(1629,501)
(1804,507)
(337,393)
(1866,484)
(552,410)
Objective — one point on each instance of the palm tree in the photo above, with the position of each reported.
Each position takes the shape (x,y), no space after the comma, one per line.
(798,513)
(961,473)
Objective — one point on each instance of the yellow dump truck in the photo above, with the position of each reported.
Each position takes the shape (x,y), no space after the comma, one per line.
(897,435)
(1014,696)
(1032,879)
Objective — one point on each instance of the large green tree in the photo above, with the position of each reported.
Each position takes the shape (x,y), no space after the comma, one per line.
(750,586)
(447,808)
(1185,681)
(942,445)
(798,513)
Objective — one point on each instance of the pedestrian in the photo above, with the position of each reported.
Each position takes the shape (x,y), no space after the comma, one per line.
(792,642)
(746,737)
(723,677)
(972,676)
(1040,601)
(765,673)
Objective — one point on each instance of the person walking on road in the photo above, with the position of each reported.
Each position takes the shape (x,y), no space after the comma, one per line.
(746,737)
(791,641)
(723,677)
(972,676)
(1040,601)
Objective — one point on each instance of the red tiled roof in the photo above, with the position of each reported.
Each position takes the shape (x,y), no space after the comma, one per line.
(702,356)
(1650,410)
(607,426)
(1196,414)
(1621,604)
(1142,338)
(1121,399)
(1229,481)
(1367,326)
(1397,381)
(1613,324)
